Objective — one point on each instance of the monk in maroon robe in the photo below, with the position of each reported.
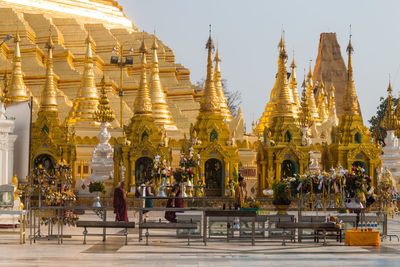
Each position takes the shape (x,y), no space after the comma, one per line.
(120,209)
(174,202)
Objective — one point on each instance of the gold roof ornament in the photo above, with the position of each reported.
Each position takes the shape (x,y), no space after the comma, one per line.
(49,94)
(161,114)
(17,91)
(311,97)
(218,87)
(285,106)
(322,102)
(390,120)
(332,101)
(6,84)
(293,84)
(142,104)
(305,118)
(209,101)
(104,112)
(85,104)
(350,102)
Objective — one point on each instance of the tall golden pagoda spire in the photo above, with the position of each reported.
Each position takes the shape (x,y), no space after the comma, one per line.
(48,103)
(218,86)
(85,104)
(332,101)
(350,102)
(390,120)
(285,105)
(161,113)
(104,112)
(305,114)
(293,84)
(17,91)
(311,97)
(209,101)
(142,104)
(323,102)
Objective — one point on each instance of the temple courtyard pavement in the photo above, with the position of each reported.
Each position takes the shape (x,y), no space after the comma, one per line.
(169,251)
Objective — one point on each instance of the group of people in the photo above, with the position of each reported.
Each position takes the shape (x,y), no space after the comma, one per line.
(175,200)
(120,205)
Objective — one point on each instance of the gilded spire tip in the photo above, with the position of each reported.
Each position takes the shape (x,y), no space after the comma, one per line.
(210,43)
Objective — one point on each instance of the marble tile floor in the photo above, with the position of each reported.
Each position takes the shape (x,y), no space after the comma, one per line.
(167,251)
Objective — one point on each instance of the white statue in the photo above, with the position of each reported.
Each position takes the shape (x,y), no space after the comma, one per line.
(314,158)
(102,161)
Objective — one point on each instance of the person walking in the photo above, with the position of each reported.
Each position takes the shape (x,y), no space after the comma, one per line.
(149,201)
(119,203)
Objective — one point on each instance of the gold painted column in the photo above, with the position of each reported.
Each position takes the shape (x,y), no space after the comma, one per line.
(263,175)
(278,171)
(227,171)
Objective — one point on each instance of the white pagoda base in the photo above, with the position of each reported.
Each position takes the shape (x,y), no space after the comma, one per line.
(391,156)
(6,147)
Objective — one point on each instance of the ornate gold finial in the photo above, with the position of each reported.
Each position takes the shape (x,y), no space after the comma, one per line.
(332,101)
(161,114)
(210,43)
(4,99)
(85,104)
(293,84)
(305,118)
(311,96)
(219,89)
(285,105)
(142,104)
(350,102)
(309,76)
(18,91)
(209,101)
(281,44)
(49,95)
(104,112)
(322,102)
(390,120)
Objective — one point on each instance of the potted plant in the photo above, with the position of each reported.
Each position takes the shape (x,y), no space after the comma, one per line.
(281,196)
(97,187)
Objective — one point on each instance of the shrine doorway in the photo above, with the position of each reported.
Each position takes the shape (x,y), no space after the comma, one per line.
(289,168)
(46,161)
(214,177)
(143,170)
(362,165)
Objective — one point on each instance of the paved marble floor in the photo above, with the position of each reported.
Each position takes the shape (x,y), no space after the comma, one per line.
(174,252)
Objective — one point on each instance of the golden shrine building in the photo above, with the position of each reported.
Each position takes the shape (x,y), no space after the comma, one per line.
(70,57)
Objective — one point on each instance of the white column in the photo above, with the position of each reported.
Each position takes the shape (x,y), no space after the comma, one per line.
(11,141)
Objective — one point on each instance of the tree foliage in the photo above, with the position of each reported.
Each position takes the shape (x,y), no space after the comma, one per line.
(233,97)
(376,129)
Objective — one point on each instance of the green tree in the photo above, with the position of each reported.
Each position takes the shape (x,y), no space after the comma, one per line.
(376,129)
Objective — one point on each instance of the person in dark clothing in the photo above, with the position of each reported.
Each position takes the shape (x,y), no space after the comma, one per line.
(119,204)
(175,201)
(148,203)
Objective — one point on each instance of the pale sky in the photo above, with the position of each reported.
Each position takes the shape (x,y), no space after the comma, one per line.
(248,33)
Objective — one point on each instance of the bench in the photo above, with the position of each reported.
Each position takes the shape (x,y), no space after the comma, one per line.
(105,224)
(163,225)
(276,232)
(22,223)
(229,214)
(317,226)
